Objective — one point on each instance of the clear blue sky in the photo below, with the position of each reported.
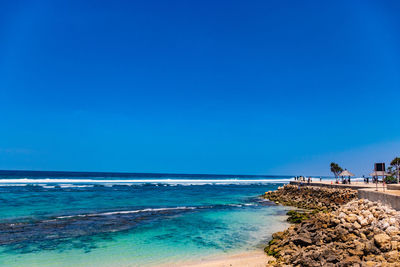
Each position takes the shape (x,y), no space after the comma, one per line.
(263,87)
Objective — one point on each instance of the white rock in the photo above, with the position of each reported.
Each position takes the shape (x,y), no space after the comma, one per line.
(383,224)
(364,222)
(391,229)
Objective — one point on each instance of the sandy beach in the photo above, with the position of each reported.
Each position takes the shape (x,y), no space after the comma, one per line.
(245,259)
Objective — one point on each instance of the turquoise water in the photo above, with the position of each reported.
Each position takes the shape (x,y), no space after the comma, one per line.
(83,223)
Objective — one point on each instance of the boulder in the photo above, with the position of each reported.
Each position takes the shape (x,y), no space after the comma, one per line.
(382,241)
(278,235)
(301,240)
(351,218)
(392,256)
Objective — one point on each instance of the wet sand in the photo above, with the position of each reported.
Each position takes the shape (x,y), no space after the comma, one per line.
(245,259)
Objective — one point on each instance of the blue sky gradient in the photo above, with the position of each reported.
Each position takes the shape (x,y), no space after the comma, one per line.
(249,87)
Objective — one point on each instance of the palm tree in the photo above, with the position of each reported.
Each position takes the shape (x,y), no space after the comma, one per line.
(396,163)
(336,169)
(333,168)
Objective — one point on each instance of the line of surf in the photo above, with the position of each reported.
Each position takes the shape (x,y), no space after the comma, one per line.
(125,212)
(130,181)
(121,212)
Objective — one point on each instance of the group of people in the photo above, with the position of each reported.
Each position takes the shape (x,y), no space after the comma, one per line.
(346,180)
(373,180)
(303,179)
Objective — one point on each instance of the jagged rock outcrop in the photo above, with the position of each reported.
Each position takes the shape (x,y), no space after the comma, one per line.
(359,233)
(311,197)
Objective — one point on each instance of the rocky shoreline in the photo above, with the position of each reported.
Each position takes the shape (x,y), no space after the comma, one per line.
(311,197)
(339,230)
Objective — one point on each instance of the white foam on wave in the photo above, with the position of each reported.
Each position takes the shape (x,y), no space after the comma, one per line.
(48,186)
(235,205)
(141,181)
(149,210)
(5,184)
(124,212)
(74,186)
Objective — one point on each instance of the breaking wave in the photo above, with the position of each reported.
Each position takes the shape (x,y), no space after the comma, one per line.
(125,212)
(65,183)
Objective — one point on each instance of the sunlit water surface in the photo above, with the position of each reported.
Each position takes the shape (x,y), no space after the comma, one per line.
(79,223)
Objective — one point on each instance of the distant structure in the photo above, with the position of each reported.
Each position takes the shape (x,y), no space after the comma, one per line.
(380,167)
(379,170)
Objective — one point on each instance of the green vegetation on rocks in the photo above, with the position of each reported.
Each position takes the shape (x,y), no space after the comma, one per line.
(297,216)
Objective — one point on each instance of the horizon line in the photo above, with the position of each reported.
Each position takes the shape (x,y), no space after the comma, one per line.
(148,173)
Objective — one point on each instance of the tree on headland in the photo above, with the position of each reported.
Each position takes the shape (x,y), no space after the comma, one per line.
(396,163)
(336,169)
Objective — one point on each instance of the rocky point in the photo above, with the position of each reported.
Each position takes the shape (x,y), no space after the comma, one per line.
(345,232)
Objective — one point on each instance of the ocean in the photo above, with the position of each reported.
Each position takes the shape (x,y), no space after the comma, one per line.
(118,219)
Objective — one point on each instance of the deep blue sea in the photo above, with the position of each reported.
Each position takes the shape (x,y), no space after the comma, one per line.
(114,219)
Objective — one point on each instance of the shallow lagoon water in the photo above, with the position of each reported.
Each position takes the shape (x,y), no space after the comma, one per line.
(132,224)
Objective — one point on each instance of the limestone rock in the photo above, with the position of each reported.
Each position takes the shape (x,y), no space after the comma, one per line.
(339,233)
(382,241)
